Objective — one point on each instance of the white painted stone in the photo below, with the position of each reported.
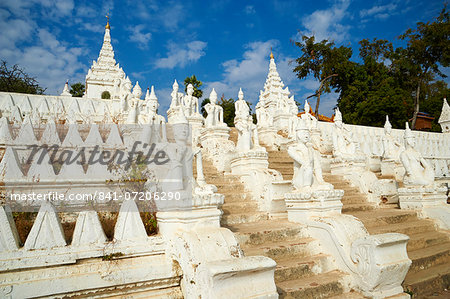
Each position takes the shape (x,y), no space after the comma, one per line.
(10,167)
(26,133)
(417,170)
(129,226)
(444,119)
(66,90)
(9,238)
(47,231)
(5,132)
(50,135)
(73,138)
(88,229)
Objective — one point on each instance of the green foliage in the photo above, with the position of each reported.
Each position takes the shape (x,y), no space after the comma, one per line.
(106,95)
(203,111)
(228,110)
(323,61)
(428,48)
(198,93)
(15,79)
(389,81)
(77,89)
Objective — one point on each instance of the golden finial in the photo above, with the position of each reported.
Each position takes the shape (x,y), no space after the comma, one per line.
(107,23)
(271,54)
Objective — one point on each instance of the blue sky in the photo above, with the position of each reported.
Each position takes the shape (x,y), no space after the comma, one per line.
(226,44)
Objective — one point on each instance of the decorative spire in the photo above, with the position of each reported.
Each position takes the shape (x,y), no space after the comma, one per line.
(271,54)
(147,94)
(408,133)
(387,124)
(444,119)
(107,23)
(240,94)
(66,90)
(152,96)
(338,115)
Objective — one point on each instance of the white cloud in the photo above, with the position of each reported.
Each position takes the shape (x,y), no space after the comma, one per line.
(139,37)
(251,71)
(249,9)
(380,11)
(326,24)
(181,55)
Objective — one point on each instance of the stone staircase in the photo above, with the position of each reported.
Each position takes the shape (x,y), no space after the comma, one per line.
(299,273)
(428,248)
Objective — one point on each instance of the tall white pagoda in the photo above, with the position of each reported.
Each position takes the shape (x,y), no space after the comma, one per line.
(275,106)
(105,75)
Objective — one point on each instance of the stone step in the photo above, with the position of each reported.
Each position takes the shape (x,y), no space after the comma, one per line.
(295,268)
(430,256)
(408,228)
(229,187)
(239,207)
(348,208)
(281,160)
(278,154)
(428,281)
(283,249)
(317,286)
(429,238)
(231,219)
(273,230)
(350,295)
(352,199)
(381,218)
(237,197)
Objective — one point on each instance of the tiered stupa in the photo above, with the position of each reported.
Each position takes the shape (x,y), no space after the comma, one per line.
(105,76)
(279,106)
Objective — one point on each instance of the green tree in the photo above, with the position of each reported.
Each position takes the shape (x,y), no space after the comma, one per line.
(202,110)
(15,79)
(432,101)
(369,91)
(322,60)
(77,89)
(428,48)
(228,110)
(198,93)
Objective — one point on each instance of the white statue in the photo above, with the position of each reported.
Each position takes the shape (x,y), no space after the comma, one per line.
(150,116)
(307,169)
(214,111)
(190,102)
(241,107)
(343,144)
(137,91)
(391,146)
(263,116)
(417,170)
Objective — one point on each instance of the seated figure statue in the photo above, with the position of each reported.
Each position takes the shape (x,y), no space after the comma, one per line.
(241,108)
(214,111)
(149,116)
(391,147)
(190,102)
(417,170)
(307,168)
(344,146)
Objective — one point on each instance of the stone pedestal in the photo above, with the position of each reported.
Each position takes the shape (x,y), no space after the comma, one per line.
(196,122)
(244,162)
(301,206)
(217,147)
(429,202)
(204,212)
(390,167)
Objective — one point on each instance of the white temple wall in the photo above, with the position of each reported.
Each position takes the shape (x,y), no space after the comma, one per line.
(435,147)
